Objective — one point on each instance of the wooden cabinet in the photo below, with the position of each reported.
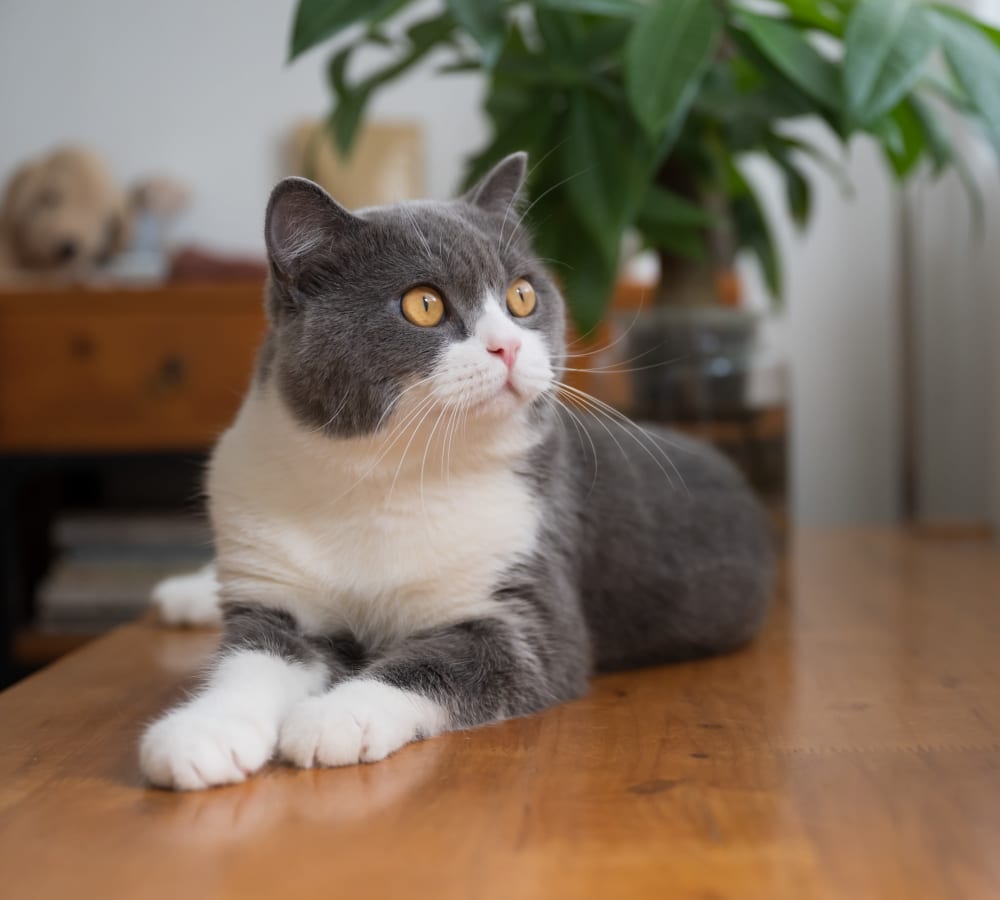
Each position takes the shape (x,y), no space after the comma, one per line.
(125,370)
(100,373)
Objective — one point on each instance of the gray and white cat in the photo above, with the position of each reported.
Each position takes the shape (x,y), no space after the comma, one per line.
(413,535)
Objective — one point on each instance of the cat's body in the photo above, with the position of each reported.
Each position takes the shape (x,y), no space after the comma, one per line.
(413,543)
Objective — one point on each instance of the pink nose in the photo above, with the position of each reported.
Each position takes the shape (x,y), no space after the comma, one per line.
(507,350)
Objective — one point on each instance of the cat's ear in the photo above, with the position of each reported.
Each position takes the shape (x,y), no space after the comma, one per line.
(302,218)
(500,188)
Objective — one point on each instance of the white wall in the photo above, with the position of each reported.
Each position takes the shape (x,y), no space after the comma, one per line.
(196,88)
(957,272)
(957,293)
(839,329)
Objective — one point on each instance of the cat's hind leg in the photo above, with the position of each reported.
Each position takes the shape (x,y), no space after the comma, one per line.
(191,599)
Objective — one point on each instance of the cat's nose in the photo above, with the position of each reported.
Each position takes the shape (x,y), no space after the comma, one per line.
(507,349)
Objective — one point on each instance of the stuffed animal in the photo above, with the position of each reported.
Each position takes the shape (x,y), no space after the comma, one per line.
(64,218)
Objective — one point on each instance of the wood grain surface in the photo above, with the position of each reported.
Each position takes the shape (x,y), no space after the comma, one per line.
(852,752)
(125,369)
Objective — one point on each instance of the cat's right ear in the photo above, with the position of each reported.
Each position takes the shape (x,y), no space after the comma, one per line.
(301,219)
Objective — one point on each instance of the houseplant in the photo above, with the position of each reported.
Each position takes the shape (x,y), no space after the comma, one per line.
(637,113)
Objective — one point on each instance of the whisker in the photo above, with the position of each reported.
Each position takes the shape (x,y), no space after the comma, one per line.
(580,431)
(614,370)
(527,177)
(449,438)
(423,462)
(406,450)
(600,421)
(416,227)
(322,428)
(615,342)
(544,193)
(624,421)
(398,431)
(392,406)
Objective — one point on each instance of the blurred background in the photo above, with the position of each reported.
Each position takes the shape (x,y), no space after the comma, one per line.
(777,225)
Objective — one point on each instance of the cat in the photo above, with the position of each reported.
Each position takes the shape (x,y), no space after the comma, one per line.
(413,535)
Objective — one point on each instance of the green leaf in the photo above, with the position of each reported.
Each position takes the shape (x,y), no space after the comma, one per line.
(670,47)
(670,222)
(534,129)
(665,209)
(605,169)
(788,51)
(587,278)
(351,100)
(559,32)
(687,243)
(485,21)
(947,9)
(613,8)
(905,152)
(833,167)
(935,134)
(427,33)
(345,120)
(753,231)
(798,194)
(975,62)
(462,65)
(885,46)
(318,20)
(815,14)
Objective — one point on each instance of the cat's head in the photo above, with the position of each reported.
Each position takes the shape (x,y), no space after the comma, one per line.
(439,300)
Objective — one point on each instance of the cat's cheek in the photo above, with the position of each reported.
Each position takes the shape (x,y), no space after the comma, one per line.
(361,720)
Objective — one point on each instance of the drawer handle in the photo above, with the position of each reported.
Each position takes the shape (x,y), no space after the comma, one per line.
(81,346)
(171,374)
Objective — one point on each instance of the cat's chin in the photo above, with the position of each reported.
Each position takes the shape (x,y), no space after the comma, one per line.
(504,403)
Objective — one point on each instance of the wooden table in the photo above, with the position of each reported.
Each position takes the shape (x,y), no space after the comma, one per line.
(852,752)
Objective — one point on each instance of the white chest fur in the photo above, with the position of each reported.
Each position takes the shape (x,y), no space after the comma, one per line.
(306,523)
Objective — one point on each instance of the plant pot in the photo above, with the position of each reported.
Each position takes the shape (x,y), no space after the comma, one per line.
(690,364)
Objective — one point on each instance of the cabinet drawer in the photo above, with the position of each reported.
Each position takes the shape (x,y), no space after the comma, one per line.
(108,378)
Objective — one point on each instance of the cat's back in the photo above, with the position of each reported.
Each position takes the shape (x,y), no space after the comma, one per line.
(675,553)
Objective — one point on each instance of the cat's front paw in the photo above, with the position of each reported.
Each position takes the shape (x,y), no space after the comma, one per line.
(191,749)
(358,721)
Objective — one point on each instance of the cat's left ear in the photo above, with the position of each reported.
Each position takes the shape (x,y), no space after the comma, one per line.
(302,220)
(500,188)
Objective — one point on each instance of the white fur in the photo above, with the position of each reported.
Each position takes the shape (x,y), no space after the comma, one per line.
(382,535)
(360,720)
(388,534)
(189,599)
(229,730)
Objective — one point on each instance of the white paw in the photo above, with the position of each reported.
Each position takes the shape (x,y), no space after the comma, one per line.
(189,599)
(191,749)
(357,721)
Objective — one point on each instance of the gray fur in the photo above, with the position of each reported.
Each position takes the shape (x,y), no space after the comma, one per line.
(652,547)
(339,348)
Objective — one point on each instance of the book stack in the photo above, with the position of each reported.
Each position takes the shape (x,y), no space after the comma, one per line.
(106,566)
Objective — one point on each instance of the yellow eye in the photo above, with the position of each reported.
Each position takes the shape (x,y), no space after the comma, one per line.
(423,306)
(521,298)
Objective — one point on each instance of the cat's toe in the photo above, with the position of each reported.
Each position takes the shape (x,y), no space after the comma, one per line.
(358,721)
(320,732)
(190,750)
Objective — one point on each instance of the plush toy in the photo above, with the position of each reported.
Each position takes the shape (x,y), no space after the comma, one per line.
(64,218)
